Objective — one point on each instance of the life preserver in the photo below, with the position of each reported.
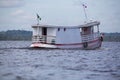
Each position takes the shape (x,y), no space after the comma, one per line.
(85,44)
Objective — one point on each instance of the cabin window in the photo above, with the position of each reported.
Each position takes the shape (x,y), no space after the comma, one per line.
(85,29)
(58,29)
(95,29)
(64,29)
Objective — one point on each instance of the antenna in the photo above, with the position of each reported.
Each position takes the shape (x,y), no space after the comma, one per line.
(84,8)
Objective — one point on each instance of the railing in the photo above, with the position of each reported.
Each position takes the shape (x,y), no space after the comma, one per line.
(43,38)
(90,37)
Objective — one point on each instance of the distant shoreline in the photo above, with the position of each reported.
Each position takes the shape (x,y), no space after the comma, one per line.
(23,35)
(15,35)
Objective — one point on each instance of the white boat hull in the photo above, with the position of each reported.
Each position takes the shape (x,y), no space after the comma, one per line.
(86,45)
(42,45)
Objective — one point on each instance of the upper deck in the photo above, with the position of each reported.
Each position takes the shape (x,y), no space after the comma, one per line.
(89,24)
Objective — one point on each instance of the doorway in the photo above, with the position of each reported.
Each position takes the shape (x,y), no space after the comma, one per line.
(44,34)
(44,31)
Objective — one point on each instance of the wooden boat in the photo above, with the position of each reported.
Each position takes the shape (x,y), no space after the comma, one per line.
(85,36)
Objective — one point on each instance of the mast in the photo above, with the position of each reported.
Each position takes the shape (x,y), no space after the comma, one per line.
(84,8)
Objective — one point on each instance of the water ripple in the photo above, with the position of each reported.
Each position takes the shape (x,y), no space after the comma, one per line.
(19,62)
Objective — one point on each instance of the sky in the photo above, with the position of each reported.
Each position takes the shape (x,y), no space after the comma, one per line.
(21,14)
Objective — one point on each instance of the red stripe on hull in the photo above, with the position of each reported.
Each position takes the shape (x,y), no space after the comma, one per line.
(76,43)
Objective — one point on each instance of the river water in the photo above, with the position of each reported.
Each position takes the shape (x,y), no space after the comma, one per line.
(19,62)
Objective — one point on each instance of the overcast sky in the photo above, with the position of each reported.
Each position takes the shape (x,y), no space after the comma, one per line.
(21,14)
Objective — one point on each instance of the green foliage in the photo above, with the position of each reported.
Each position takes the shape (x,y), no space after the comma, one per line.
(15,35)
(112,37)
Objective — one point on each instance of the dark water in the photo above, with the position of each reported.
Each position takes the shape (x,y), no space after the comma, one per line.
(18,62)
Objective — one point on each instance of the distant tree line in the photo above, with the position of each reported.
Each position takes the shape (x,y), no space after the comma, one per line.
(112,37)
(27,35)
(15,35)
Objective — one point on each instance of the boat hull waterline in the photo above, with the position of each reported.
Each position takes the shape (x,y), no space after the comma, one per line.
(84,45)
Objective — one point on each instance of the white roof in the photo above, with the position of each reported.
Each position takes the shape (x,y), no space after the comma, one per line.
(89,24)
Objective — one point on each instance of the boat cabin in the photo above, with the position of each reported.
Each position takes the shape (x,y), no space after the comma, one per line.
(52,35)
(90,32)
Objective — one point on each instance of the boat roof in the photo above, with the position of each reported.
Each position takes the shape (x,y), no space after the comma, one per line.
(89,24)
